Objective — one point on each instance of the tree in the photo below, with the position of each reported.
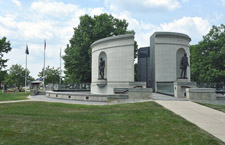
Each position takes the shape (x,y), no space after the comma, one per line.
(3,75)
(16,76)
(77,57)
(4,48)
(52,75)
(208,57)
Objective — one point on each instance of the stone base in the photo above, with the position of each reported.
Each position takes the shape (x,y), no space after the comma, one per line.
(201,94)
(180,87)
(101,83)
(130,95)
(135,93)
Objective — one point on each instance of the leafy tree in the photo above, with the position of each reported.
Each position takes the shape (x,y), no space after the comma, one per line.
(78,53)
(4,48)
(3,75)
(52,75)
(16,76)
(208,57)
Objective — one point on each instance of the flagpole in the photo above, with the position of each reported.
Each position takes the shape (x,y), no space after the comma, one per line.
(60,68)
(44,66)
(26,74)
(27,52)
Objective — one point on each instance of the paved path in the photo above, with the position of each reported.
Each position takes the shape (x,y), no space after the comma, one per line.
(156,96)
(2,102)
(208,119)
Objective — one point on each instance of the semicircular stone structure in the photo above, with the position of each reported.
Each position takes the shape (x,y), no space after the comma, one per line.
(117,52)
(166,51)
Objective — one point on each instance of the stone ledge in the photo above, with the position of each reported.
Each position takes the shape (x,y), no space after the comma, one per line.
(112,38)
(184,83)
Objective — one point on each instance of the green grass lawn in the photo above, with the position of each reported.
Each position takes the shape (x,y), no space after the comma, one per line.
(56,123)
(13,96)
(217,107)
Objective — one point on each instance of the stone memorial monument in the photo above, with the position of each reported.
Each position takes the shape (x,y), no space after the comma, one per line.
(112,63)
(165,66)
(166,52)
(113,68)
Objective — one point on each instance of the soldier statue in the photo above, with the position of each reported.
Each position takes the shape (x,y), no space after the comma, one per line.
(101,68)
(183,66)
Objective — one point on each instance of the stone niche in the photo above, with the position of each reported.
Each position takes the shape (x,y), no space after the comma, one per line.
(118,54)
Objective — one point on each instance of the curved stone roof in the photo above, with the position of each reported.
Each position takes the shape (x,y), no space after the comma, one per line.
(173,34)
(112,38)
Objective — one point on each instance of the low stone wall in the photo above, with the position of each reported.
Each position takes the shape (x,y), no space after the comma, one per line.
(201,94)
(135,93)
(126,95)
(84,96)
(140,93)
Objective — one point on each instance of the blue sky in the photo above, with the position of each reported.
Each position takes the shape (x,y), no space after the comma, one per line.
(31,21)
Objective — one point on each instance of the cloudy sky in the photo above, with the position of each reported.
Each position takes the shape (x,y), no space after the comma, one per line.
(31,21)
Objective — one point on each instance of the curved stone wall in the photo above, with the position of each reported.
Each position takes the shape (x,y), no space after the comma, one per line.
(118,54)
(166,49)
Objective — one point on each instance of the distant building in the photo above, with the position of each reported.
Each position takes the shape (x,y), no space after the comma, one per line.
(144,65)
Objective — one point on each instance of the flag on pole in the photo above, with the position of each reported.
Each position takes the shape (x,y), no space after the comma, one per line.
(27,51)
(45,45)
(60,53)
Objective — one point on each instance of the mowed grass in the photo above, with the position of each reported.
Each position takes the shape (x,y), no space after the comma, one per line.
(13,96)
(56,123)
(217,107)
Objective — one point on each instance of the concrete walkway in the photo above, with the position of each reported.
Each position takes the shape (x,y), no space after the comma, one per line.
(3,102)
(157,96)
(208,119)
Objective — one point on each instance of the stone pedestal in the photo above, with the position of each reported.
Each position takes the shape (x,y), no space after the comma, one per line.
(180,87)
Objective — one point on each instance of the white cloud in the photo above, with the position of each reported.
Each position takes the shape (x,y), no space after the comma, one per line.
(195,27)
(53,8)
(8,20)
(17,3)
(142,30)
(96,11)
(41,30)
(143,6)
